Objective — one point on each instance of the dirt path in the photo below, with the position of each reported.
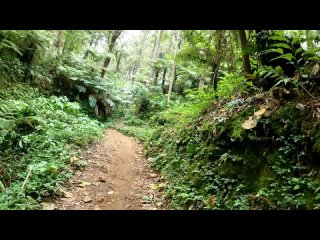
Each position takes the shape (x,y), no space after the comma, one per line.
(116,177)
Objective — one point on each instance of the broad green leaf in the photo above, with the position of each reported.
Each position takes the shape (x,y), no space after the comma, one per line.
(280,38)
(295,40)
(286,80)
(287,56)
(296,187)
(279,69)
(298,50)
(282,45)
(277,50)
(191,148)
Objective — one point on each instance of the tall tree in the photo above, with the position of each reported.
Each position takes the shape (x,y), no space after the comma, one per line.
(155,56)
(133,68)
(119,54)
(113,36)
(93,37)
(165,68)
(58,42)
(245,55)
(173,69)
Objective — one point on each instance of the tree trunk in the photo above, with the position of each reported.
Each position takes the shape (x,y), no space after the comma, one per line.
(58,42)
(156,77)
(201,82)
(142,47)
(105,65)
(214,76)
(114,37)
(164,79)
(245,56)
(173,66)
(88,50)
(155,55)
(118,59)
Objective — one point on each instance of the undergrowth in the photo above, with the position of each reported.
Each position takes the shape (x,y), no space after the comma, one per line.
(38,137)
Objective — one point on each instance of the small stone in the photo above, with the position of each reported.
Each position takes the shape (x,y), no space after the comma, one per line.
(68,194)
(99,197)
(300,106)
(87,199)
(48,206)
(101,179)
(127,206)
(96,207)
(110,192)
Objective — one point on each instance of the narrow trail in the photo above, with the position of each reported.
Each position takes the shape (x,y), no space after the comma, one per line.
(116,177)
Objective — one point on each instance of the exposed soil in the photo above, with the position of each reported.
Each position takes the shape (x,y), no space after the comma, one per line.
(116,177)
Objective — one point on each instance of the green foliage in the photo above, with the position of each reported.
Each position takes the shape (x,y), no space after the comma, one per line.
(210,162)
(197,140)
(232,84)
(143,133)
(39,133)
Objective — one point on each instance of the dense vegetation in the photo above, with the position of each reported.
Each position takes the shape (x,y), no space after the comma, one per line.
(229,118)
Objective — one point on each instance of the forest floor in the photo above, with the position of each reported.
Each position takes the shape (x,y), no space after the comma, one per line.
(116,177)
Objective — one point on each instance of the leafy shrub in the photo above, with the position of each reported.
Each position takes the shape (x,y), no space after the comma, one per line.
(38,133)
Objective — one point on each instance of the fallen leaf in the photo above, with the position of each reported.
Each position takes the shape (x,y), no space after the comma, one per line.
(87,199)
(315,69)
(250,123)
(68,194)
(300,106)
(67,199)
(260,112)
(74,159)
(153,175)
(212,200)
(146,199)
(83,184)
(153,186)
